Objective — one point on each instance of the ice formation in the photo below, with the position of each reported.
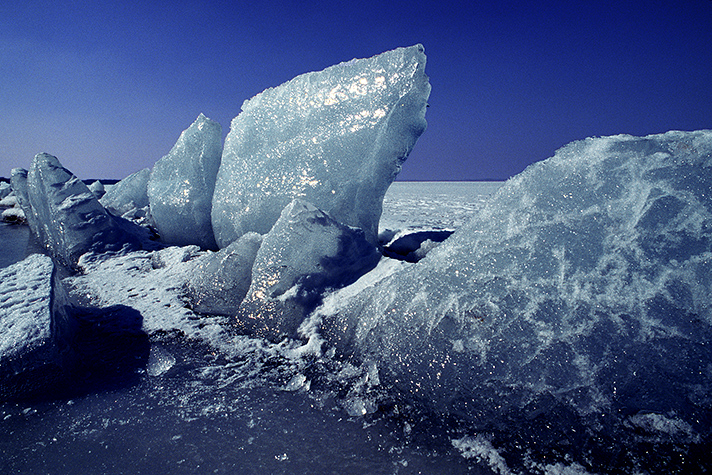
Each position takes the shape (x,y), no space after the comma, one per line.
(97,188)
(25,340)
(305,253)
(180,190)
(220,280)
(336,138)
(585,278)
(5,189)
(129,197)
(18,181)
(67,217)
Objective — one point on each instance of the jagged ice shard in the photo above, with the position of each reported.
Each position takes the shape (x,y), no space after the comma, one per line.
(67,217)
(586,279)
(336,138)
(180,190)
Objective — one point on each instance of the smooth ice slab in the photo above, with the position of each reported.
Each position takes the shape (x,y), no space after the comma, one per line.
(180,190)
(587,278)
(336,138)
(68,218)
(304,254)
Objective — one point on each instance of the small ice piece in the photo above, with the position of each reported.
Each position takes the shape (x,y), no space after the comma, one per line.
(98,189)
(336,138)
(160,361)
(296,383)
(9,201)
(305,253)
(129,196)
(68,219)
(180,190)
(220,280)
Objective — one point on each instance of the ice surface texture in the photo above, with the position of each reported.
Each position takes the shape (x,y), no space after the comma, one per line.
(336,138)
(305,253)
(25,294)
(180,190)
(586,277)
(67,217)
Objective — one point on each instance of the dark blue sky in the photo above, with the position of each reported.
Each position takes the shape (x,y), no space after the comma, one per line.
(108,87)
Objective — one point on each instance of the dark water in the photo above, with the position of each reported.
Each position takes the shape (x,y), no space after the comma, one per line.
(16,243)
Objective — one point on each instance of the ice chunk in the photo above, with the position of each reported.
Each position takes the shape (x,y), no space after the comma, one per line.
(69,219)
(221,279)
(412,245)
(160,361)
(9,201)
(336,138)
(5,189)
(19,187)
(180,190)
(98,189)
(581,278)
(305,253)
(13,215)
(25,296)
(129,197)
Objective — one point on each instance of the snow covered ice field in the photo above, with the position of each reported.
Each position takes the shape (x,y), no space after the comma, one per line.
(255,409)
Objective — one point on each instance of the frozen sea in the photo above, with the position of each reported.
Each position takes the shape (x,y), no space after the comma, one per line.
(194,410)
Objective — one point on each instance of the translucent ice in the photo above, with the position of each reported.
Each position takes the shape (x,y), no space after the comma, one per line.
(220,280)
(305,253)
(180,190)
(587,278)
(336,138)
(68,218)
(128,197)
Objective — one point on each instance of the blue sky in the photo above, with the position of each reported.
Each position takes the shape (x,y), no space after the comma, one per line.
(108,87)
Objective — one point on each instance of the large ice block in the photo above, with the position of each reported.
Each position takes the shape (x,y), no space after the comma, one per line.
(336,138)
(180,190)
(587,278)
(68,218)
(305,253)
